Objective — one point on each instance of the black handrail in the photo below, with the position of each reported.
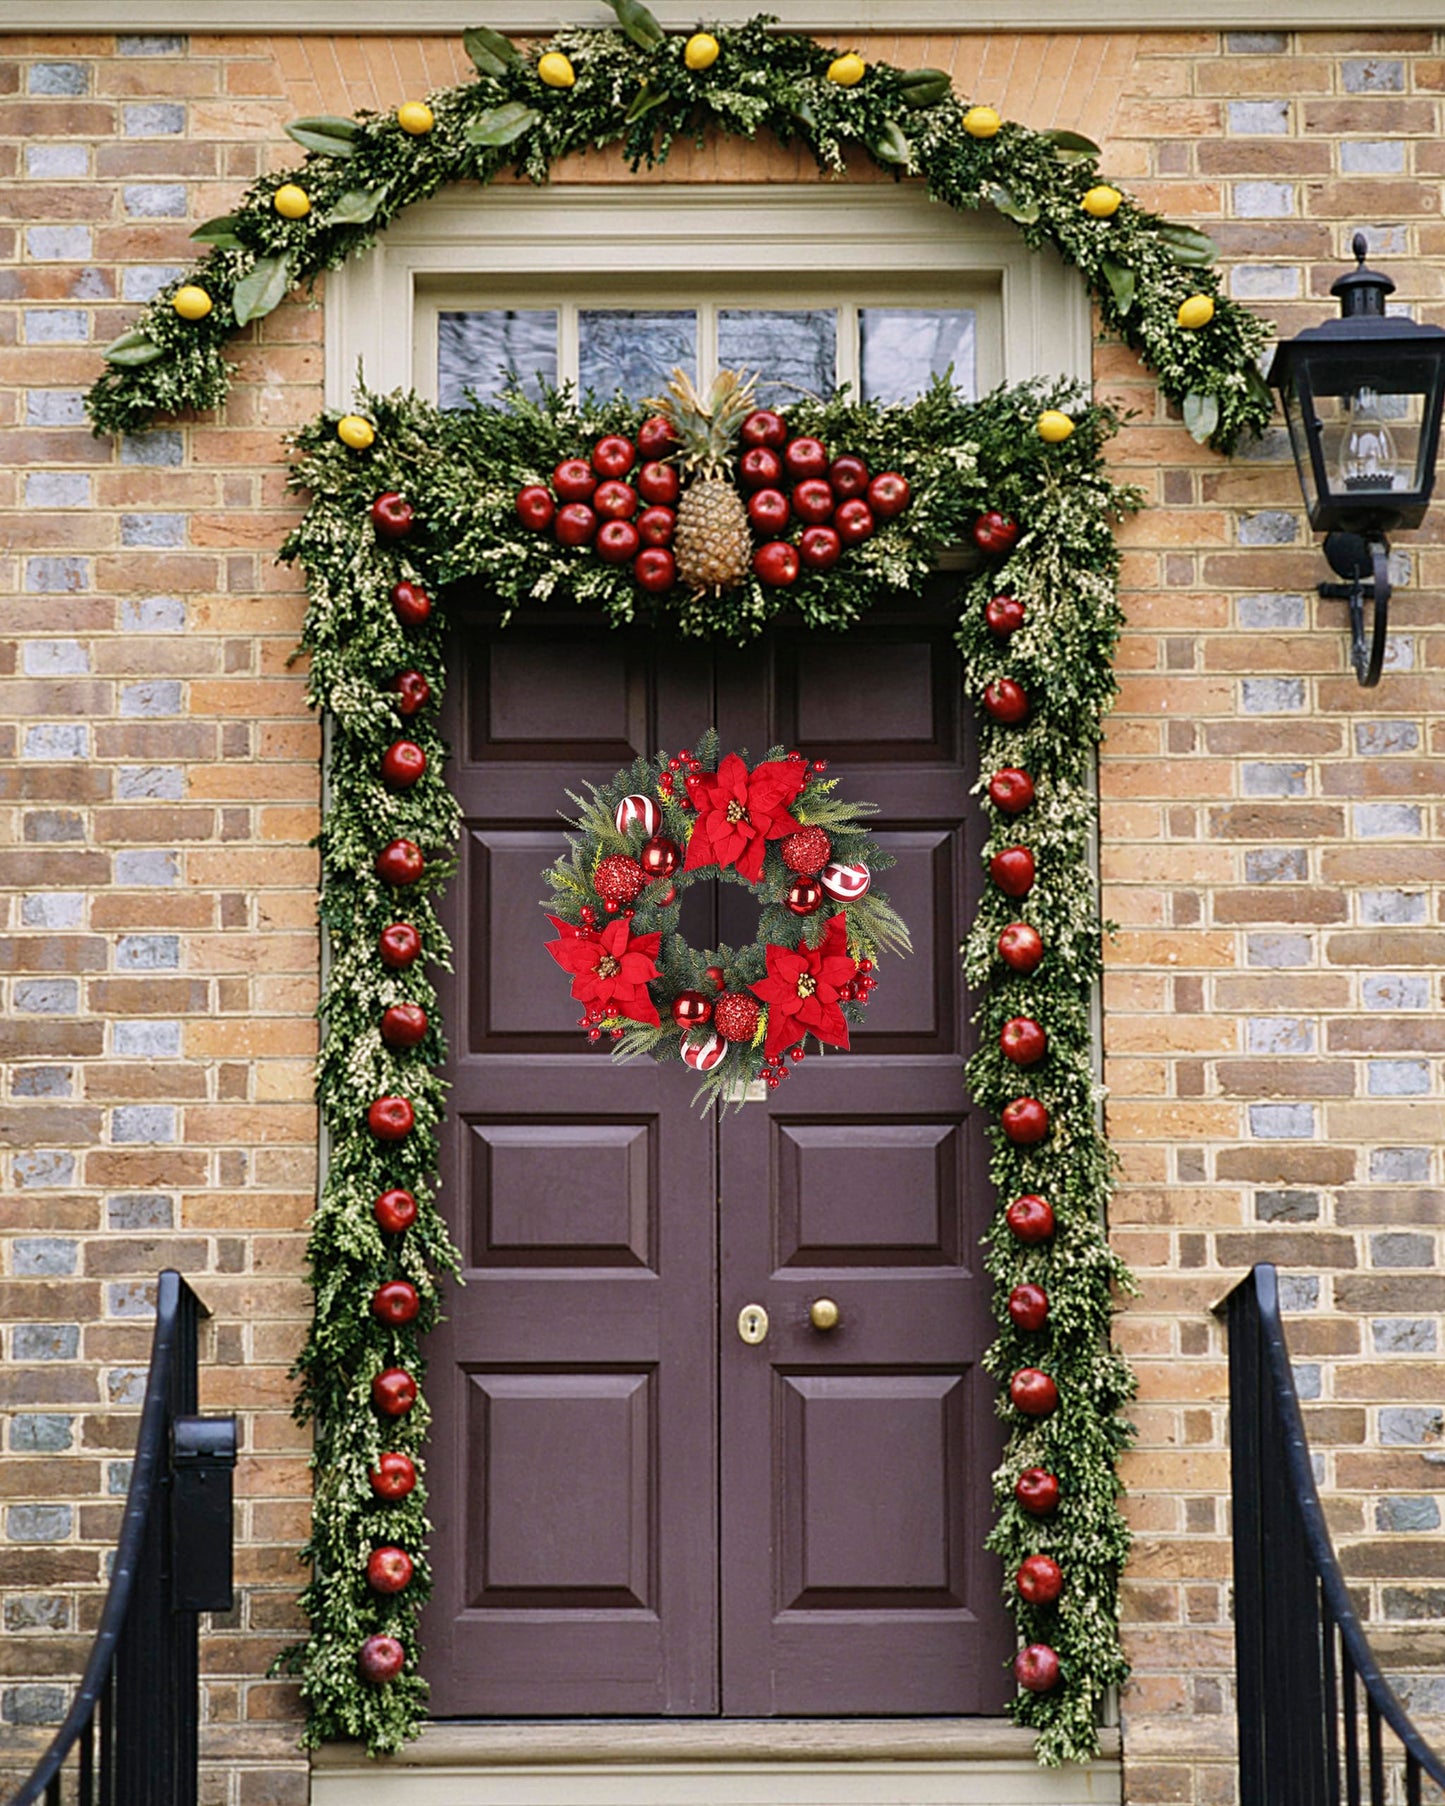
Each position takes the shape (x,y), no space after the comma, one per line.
(132,1726)
(1301,1655)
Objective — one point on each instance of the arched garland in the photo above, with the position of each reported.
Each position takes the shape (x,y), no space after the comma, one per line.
(382,1102)
(643,89)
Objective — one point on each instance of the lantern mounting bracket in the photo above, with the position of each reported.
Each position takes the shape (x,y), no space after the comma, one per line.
(1362,559)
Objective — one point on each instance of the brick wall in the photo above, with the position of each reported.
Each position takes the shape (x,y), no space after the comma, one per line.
(1274,852)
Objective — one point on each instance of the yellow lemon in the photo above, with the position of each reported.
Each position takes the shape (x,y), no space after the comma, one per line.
(191,303)
(1053,427)
(981,122)
(290,201)
(416,117)
(701,51)
(1102,202)
(556,71)
(1198,310)
(847,71)
(352,430)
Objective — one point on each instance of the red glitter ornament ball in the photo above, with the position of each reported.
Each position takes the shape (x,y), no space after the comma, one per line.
(735,1016)
(807,851)
(619,880)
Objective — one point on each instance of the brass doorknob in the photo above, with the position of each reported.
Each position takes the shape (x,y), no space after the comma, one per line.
(823,1314)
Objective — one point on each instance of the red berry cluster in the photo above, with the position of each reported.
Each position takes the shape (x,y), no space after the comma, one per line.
(835,500)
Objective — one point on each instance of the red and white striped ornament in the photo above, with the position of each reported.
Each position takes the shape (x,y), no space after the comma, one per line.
(845,883)
(638,812)
(703,1055)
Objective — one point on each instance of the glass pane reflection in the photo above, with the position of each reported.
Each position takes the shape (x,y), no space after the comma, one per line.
(633,349)
(901,348)
(488,350)
(795,351)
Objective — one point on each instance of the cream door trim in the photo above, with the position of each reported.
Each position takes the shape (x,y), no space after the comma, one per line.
(827,233)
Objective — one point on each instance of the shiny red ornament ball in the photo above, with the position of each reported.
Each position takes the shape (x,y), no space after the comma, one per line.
(660,857)
(805,896)
(716,977)
(690,1009)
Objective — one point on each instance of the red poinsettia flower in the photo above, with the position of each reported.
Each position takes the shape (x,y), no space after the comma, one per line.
(801,990)
(610,968)
(739,811)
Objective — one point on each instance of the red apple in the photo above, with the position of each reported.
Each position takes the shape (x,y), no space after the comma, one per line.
(613,456)
(854,521)
(1023,1041)
(1025,1121)
(403,1025)
(1011,790)
(395,1303)
(411,603)
(614,500)
(656,526)
(393,1392)
(1037,1491)
(995,533)
(380,1659)
(535,507)
(1039,1580)
(805,458)
(1030,1218)
(764,427)
(390,1118)
(1005,615)
(659,483)
(412,692)
(1012,870)
(1019,946)
(392,516)
(768,511)
(574,480)
(820,548)
(402,764)
(393,1477)
(389,1570)
(849,478)
(760,468)
(1033,1392)
(400,862)
(617,542)
(655,569)
(399,945)
(813,501)
(655,437)
(395,1211)
(777,564)
(575,524)
(1006,702)
(889,494)
(1028,1307)
(1036,1669)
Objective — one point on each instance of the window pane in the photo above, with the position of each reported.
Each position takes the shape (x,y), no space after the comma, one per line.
(485,351)
(900,349)
(795,353)
(633,349)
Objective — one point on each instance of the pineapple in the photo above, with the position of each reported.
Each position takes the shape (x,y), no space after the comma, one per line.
(712,542)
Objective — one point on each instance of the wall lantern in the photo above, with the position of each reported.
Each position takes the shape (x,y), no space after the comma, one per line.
(1362,397)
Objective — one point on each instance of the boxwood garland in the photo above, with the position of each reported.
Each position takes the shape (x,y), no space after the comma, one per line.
(632,87)
(460,472)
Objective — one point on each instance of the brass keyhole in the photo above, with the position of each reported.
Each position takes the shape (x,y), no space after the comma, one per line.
(753,1324)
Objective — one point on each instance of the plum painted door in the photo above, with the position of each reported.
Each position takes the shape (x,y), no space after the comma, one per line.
(636,1512)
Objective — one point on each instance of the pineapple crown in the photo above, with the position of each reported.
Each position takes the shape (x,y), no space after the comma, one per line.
(707,429)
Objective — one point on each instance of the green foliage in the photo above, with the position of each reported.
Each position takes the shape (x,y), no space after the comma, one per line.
(634,90)
(461,472)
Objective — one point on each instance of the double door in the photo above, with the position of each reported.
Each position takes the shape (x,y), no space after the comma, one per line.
(637,1511)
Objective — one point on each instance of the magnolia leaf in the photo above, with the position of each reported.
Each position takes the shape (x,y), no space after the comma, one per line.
(643,101)
(355,208)
(1201,415)
(328,133)
(502,125)
(892,147)
(638,23)
(1025,212)
(262,289)
(219,231)
(1121,285)
(1185,245)
(1071,147)
(132,349)
(924,87)
(802,111)
(490,51)
(1258,388)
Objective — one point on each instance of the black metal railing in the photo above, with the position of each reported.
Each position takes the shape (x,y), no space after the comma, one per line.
(1312,1705)
(130,1736)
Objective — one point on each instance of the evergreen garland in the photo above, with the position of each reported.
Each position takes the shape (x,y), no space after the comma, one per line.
(460,473)
(633,87)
